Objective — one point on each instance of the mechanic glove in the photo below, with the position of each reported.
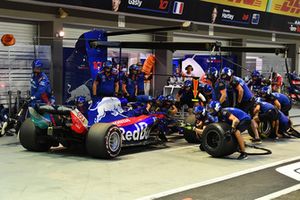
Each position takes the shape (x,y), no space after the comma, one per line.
(32,98)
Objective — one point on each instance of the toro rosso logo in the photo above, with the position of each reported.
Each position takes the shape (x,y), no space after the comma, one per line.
(140,132)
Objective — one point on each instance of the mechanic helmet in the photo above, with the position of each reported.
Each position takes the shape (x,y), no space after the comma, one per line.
(214,107)
(169,98)
(255,73)
(200,111)
(37,64)
(207,89)
(107,65)
(80,100)
(160,98)
(266,90)
(212,74)
(188,83)
(258,99)
(134,68)
(226,73)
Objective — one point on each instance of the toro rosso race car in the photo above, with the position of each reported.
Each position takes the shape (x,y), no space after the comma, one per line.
(108,128)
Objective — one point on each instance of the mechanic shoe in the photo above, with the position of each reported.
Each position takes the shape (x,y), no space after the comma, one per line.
(243,156)
(256,141)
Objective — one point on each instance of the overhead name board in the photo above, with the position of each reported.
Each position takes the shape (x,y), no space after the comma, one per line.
(238,13)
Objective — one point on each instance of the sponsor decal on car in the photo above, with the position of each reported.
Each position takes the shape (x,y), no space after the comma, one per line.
(136,132)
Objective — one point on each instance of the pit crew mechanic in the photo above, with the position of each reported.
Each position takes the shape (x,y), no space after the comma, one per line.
(238,119)
(41,91)
(106,83)
(263,111)
(185,95)
(203,118)
(130,87)
(219,86)
(280,101)
(245,98)
(255,83)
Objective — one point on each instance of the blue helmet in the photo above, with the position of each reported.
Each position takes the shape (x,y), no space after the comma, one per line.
(212,74)
(188,83)
(80,99)
(108,64)
(266,90)
(160,98)
(226,73)
(258,99)
(207,89)
(214,107)
(169,98)
(255,73)
(200,110)
(134,67)
(37,64)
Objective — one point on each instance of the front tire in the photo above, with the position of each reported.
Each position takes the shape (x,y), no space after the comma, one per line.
(31,137)
(104,141)
(217,142)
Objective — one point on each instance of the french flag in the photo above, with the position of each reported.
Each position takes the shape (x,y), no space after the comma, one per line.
(178,8)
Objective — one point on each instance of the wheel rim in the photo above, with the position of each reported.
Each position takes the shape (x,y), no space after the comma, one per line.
(213,139)
(265,129)
(114,141)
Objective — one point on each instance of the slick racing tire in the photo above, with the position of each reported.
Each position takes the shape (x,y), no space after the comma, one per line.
(31,137)
(189,135)
(264,130)
(104,141)
(217,142)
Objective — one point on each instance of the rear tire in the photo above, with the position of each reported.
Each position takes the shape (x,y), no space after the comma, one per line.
(104,141)
(31,137)
(216,142)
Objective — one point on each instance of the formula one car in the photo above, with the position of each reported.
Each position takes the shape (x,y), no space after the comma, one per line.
(107,129)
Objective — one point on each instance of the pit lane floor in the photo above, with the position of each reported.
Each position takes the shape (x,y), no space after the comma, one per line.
(142,173)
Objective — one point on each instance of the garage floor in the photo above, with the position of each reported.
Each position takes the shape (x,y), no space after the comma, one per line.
(139,173)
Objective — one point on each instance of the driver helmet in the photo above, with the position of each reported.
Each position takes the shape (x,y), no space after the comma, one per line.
(226,73)
(214,107)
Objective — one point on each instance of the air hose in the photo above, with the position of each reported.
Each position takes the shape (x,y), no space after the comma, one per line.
(264,150)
